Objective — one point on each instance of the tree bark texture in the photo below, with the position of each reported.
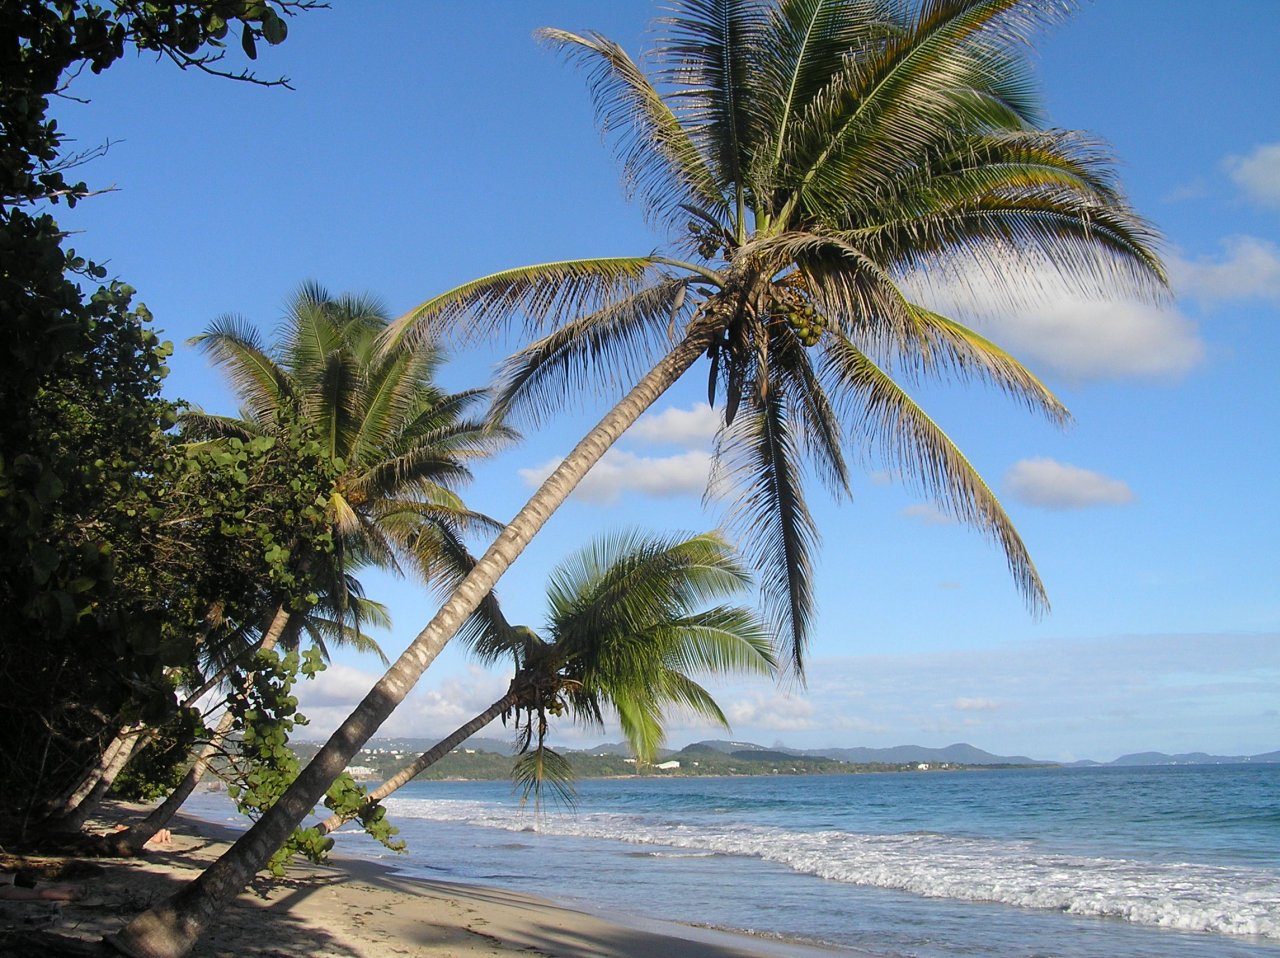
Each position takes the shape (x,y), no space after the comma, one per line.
(133,839)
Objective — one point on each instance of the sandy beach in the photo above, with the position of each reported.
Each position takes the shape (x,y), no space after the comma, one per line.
(358,909)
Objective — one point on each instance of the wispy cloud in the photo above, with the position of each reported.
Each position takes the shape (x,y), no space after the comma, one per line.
(1249,269)
(929,514)
(1257,173)
(975,705)
(1094,698)
(620,472)
(1055,485)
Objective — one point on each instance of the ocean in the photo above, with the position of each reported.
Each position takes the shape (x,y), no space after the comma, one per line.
(1150,862)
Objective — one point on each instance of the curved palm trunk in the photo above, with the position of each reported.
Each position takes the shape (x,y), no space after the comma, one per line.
(170,928)
(428,758)
(131,841)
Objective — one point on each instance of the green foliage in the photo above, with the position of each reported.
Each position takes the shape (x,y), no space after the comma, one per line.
(158,767)
(266,713)
(349,799)
(82,424)
(94,612)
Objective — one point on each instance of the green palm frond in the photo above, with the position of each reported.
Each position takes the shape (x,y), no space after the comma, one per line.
(198,426)
(706,57)
(588,354)
(234,345)
(661,161)
(807,44)
(627,624)
(758,455)
(535,294)
(401,444)
(936,77)
(541,773)
(723,639)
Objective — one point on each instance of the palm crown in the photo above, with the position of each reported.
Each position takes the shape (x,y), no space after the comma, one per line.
(809,156)
(630,621)
(402,444)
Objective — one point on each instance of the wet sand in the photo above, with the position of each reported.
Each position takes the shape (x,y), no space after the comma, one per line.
(350,908)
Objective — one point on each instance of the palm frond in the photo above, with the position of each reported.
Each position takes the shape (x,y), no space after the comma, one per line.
(913,443)
(261,383)
(938,75)
(706,52)
(660,160)
(758,455)
(534,294)
(599,351)
(541,773)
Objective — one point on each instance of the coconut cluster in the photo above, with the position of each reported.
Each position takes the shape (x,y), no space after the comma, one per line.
(800,314)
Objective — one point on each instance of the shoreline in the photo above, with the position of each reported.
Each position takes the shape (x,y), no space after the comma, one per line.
(353,907)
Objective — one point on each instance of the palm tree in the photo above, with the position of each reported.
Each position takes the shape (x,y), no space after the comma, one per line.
(814,153)
(403,443)
(625,627)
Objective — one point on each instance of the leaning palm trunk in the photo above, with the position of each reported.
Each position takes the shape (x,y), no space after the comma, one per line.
(131,841)
(75,807)
(65,812)
(170,928)
(427,758)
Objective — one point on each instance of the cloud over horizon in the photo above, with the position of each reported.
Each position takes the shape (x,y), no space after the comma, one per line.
(1053,699)
(428,712)
(1055,485)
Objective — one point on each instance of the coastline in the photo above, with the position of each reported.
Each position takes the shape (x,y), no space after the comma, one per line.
(355,908)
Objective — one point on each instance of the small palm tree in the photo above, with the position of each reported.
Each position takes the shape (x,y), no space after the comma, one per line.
(402,443)
(627,624)
(807,155)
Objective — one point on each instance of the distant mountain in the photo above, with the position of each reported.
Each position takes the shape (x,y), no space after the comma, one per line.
(731,748)
(1194,758)
(958,754)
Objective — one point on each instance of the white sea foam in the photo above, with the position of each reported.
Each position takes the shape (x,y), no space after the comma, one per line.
(1185,896)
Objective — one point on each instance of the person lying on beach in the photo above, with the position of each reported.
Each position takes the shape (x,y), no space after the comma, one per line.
(15,886)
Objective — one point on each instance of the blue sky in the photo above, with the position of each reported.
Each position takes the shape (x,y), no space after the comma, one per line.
(426,144)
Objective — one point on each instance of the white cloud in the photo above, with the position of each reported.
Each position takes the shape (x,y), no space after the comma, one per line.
(1258,173)
(683,427)
(1074,331)
(1250,269)
(428,712)
(975,705)
(619,472)
(774,711)
(1056,485)
(929,514)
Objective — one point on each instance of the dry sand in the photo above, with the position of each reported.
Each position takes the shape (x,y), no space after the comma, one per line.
(359,909)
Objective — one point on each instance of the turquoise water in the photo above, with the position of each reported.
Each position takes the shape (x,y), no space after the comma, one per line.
(1052,863)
